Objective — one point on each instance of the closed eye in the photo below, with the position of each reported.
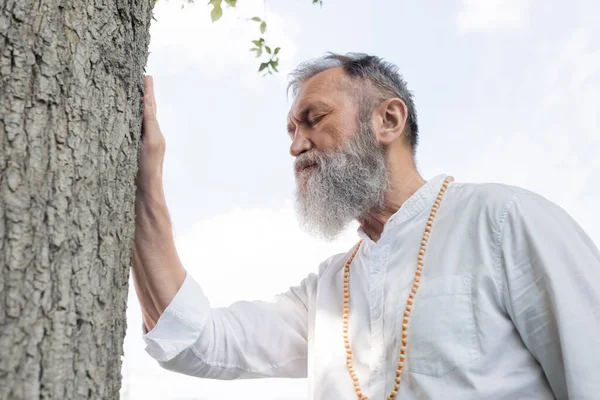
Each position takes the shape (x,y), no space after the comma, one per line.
(315,120)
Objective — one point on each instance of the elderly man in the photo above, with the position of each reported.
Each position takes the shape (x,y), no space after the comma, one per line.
(453,291)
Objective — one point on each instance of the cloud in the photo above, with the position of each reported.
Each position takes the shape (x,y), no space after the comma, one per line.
(543,134)
(185,38)
(255,253)
(491,15)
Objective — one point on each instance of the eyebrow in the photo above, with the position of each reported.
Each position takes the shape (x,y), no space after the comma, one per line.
(306,110)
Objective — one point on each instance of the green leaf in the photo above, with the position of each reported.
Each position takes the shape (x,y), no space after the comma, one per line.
(216,13)
(274,68)
(275,63)
(263,66)
(259,52)
(256,19)
(268,49)
(258,43)
(231,3)
(277,50)
(217,10)
(263,27)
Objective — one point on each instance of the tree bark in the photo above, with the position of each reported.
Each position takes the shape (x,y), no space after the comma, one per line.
(71,82)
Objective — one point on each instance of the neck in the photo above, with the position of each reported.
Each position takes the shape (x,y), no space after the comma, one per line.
(404,181)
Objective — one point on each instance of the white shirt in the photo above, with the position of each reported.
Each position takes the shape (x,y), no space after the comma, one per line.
(508,308)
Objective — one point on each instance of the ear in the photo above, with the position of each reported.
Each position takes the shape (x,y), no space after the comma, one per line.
(389,120)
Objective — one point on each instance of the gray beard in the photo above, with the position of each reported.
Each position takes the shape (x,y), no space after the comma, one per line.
(348,183)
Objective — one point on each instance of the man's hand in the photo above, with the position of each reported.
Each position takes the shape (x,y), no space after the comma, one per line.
(152,144)
(156,268)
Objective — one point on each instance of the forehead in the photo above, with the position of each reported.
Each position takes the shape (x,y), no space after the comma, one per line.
(328,88)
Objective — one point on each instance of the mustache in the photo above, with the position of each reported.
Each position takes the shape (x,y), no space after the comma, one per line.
(309,158)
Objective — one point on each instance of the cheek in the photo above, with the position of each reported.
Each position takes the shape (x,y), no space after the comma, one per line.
(332,134)
(343,128)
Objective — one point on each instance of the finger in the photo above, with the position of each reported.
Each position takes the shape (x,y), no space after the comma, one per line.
(149,99)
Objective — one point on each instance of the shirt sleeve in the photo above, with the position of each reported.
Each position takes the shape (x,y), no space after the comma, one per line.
(552,292)
(248,339)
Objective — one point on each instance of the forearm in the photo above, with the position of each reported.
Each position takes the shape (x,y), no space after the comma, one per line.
(157,271)
(247,339)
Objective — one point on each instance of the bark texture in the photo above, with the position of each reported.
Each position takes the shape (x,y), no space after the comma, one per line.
(71,80)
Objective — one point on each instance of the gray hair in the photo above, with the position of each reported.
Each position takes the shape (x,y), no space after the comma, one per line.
(370,70)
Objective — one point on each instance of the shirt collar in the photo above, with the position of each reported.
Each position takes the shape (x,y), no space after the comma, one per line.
(423,197)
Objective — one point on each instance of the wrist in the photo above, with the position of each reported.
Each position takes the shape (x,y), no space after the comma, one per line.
(149,190)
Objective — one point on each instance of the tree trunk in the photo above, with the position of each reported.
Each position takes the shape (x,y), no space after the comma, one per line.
(70,117)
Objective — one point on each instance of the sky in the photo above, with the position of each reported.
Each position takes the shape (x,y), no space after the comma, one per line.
(506,91)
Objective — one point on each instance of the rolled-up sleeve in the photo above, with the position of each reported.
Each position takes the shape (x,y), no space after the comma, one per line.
(180,324)
(248,339)
(552,293)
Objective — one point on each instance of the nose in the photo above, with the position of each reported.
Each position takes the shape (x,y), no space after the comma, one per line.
(300,144)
